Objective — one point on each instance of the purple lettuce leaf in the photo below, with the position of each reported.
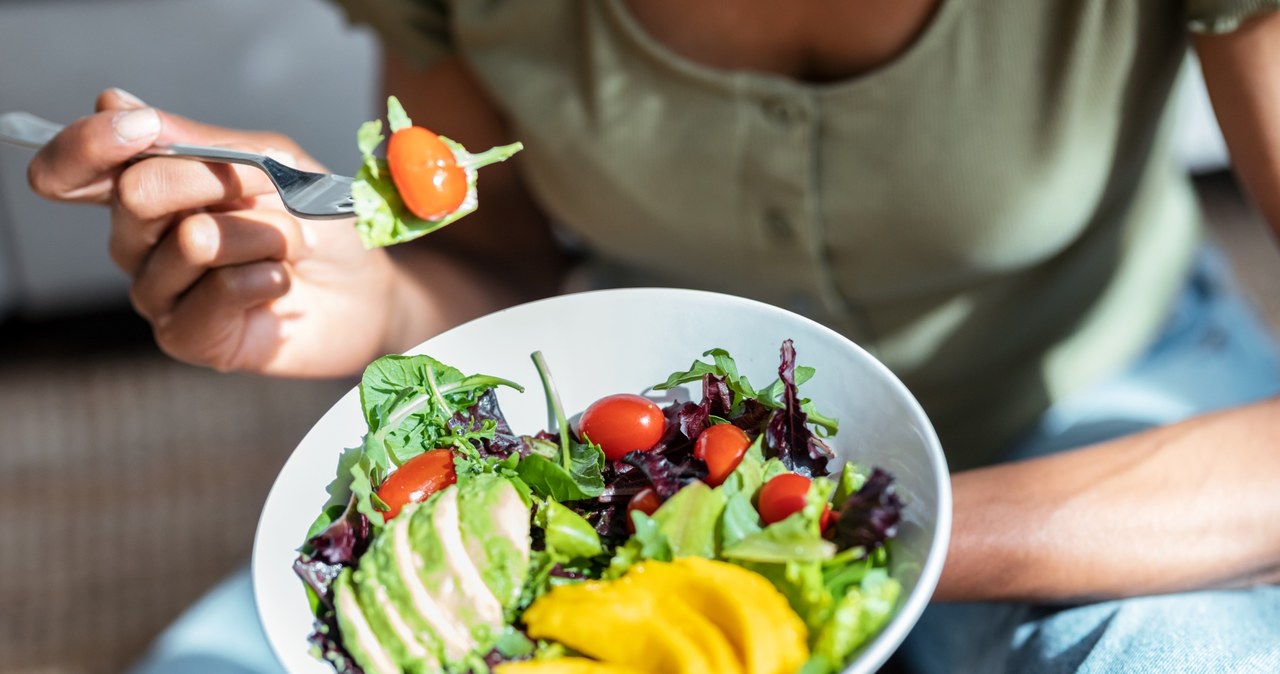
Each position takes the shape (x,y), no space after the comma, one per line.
(691,419)
(504,442)
(665,475)
(870,516)
(753,417)
(787,434)
(318,575)
(343,541)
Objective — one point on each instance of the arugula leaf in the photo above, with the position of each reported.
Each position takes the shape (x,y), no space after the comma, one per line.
(409,403)
(772,397)
(382,219)
(396,387)
(577,473)
(723,367)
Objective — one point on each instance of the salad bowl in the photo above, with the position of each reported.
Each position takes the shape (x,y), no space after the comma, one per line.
(627,340)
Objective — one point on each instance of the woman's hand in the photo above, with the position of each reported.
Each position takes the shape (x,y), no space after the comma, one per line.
(226,277)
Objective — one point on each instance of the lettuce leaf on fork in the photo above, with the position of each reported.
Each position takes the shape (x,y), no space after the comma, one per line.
(382,219)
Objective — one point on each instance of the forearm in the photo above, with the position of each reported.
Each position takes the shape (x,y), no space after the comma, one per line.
(1242,74)
(1192,505)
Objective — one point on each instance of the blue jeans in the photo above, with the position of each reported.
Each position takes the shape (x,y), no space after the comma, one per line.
(1214,353)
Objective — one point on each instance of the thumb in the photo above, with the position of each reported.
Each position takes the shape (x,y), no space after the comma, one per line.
(117,99)
(79,163)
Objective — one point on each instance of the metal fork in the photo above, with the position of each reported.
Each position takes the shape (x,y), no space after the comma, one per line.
(318,196)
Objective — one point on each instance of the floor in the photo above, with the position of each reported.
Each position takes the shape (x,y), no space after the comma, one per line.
(129,483)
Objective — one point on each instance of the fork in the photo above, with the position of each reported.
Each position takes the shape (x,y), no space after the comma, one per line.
(317,196)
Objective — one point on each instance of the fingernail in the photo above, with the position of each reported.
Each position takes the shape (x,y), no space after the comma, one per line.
(134,125)
(128,98)
(282,157)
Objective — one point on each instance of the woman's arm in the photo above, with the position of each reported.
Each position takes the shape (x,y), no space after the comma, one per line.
(1242,73)
(501,254)
(1191,505)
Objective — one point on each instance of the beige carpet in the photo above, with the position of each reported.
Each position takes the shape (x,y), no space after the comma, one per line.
(129,484)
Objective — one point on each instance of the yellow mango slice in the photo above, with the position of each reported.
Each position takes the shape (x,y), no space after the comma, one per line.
(562,666)
(757,620)
(623,623)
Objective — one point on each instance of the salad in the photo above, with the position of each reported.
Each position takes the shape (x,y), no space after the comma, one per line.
(703,536)
(425,182)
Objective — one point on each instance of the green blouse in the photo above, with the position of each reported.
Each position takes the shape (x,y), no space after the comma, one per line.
(995,214)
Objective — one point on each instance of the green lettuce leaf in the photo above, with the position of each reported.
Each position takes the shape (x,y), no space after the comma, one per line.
(568,535)
(686,525)
(382,219)
(859,615)
(550,479)
(797,538)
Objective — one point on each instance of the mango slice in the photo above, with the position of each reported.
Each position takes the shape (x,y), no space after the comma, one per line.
(767,636)
(625,623)
(562,666)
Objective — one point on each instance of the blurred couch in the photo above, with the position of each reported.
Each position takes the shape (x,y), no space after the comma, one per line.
(287,65)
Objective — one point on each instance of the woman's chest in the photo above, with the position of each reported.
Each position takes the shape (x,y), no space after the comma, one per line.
(990,141)
(806,40)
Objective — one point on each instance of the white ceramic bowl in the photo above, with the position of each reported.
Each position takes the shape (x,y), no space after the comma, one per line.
(612,341)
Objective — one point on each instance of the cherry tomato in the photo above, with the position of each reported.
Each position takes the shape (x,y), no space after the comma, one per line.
(782,497)
(722,447)
(426,173)
(622,423)
(646,501)
(419,478)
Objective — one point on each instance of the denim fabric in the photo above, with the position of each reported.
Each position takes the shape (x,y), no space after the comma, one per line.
(1214,353)
(220,634)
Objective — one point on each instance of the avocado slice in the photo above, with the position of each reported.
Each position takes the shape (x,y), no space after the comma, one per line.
(359,637)
(495,532)
(435,582)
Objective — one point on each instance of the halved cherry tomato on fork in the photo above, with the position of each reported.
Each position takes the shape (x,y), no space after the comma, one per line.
(784,495)
(646,501)
(426,173)
(722,447)
(622,423)
(417,479)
